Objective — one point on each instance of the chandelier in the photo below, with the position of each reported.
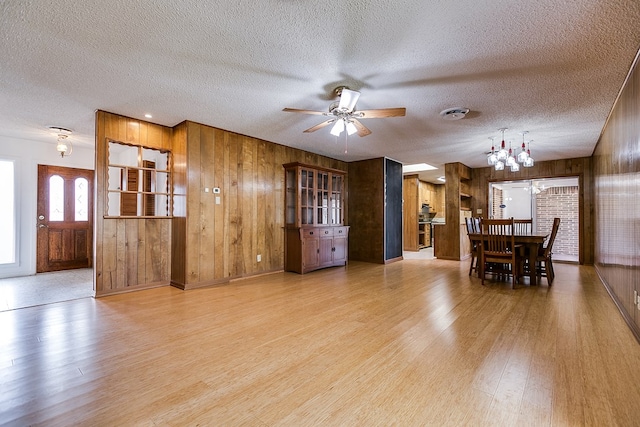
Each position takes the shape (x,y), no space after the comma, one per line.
(502,157)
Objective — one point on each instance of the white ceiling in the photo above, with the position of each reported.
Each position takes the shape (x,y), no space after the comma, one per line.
(551,67)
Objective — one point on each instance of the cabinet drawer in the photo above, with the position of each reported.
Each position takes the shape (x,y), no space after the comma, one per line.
(310,233)
(325,232)
(340,231)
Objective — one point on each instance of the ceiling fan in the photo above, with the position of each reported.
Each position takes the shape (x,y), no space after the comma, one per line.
(344,116)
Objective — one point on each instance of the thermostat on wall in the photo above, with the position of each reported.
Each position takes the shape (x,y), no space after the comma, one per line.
(216,190)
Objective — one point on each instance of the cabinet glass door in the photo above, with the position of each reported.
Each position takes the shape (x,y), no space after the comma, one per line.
(336,200)
(291,197)
(323,198)
(307,188)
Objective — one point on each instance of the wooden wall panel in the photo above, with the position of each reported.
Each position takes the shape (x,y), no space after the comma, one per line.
(204,243)
(616,164)
(117,269)
(223,240)
(366,210)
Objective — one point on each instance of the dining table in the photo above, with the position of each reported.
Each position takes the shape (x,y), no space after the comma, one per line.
(532,241)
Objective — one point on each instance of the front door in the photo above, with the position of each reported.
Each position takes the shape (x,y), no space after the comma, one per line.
(65,218)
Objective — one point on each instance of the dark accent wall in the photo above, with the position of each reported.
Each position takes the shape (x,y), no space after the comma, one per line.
(616,165)
(393,209)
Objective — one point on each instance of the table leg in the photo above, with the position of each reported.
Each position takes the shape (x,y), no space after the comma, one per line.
(533,255)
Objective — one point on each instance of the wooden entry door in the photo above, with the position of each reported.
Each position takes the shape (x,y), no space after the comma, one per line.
(65,218)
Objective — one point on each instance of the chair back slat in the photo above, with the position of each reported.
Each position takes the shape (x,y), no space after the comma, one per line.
(497,236)
(523,226)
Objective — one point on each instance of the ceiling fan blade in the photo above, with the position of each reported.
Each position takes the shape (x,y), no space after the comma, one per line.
(320,125)
(383,112)
(362,129)
(348,99)
(295,110)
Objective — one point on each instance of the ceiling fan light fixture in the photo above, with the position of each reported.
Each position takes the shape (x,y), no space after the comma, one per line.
(343,115)
(351,128)
(337,129)
(348,99)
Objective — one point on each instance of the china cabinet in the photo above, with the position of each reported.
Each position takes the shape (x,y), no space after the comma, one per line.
(315,234)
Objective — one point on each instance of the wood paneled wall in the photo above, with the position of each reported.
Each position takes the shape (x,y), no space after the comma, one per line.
(374,225)
(129,253)
(213,242)
(366,207)
(616,164)
(455,246)
(204,243)
(580,167)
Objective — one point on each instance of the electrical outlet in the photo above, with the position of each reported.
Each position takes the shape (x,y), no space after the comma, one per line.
(259,258)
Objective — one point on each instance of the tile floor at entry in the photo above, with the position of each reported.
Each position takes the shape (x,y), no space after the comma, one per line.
(45,288)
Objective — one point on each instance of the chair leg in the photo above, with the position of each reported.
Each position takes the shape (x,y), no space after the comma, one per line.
(550,273)
(471,268)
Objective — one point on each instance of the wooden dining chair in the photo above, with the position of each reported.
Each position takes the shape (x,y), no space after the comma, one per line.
(523,226)
(498,249)
(544,264)
(471,229)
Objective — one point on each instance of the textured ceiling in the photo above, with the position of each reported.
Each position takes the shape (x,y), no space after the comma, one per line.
(551,67)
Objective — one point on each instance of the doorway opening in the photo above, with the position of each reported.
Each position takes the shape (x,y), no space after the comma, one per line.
(542,200)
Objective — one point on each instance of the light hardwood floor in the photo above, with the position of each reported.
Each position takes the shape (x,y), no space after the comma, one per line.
(416,342)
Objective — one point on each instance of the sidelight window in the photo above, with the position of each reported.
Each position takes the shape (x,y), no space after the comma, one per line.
(7,213)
